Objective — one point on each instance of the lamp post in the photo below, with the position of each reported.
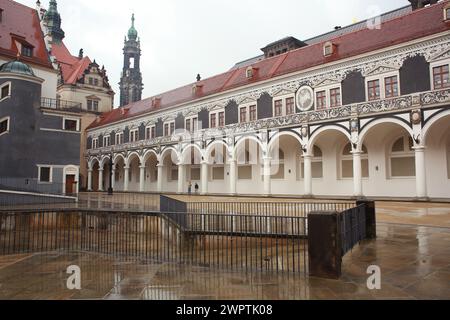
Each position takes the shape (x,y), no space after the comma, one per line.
(111,164)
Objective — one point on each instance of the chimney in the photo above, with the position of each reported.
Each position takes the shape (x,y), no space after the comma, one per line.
(337,27)
(81,54)
(199,77)
(418,4)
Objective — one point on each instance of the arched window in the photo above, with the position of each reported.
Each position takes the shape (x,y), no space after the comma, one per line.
(402,158)
(347,162)
(316,164)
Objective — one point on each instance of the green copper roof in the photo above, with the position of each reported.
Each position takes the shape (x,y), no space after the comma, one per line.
(17,67)
(132,33)
(53,19)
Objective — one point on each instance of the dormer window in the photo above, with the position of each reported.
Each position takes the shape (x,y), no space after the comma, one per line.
(447,13)
(328,49)
(249,73)
(27,51)
(156,102)
(196,89)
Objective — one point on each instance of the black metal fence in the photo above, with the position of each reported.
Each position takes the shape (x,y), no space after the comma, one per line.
(269,243)
(352,227)
(287,209)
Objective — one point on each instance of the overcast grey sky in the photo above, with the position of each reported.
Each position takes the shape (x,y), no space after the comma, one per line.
(181,38)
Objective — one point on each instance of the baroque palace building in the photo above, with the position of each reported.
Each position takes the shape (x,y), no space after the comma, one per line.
(361,111)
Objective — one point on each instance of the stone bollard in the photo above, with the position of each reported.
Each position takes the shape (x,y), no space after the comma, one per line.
(324,245)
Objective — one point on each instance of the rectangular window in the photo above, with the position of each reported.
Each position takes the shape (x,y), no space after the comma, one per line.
(321,98)
(4,126)
(391,87)
(119,138)
(213,120)
(335,97)
(95,143)
(290,108)
(278,108)
(166,130)
(106,141)
(45,174)
(70,125)
(221,119)
(95,82)
(188,125)
(27,51)
(253,115)
(92,105)
(243,115)
(373,88)
(150,132)
(172,128)
(134,135)
(441,77)
(5,91)
(91,81)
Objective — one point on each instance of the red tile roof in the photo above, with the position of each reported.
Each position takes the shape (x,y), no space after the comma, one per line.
(415,25)
(72,67)
(22,22)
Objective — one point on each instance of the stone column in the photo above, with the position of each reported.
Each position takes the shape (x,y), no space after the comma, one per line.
(126,178)
(233,176)
(181,177)
(308,175)
(267,176)
(100,179)
(89,186)
(357,174)
(204,178)
(160,177)
(421,177)
(141,178)
(113,179)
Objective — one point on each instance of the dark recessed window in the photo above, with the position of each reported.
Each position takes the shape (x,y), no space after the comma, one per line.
(27,51)
(70,125)
(44,174)
(447,14)
(5,92)
(4,126)
(1,15)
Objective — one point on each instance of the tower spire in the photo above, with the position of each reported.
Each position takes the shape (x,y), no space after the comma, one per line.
(53,20)
(132,32)
(131,80)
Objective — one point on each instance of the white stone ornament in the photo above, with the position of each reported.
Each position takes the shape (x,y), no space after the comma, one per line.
(305,98)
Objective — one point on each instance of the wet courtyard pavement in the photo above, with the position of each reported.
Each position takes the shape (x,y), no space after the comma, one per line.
(414,261)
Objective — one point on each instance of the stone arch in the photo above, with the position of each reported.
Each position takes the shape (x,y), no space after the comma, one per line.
(92,162)
(189,148)
(211,147)
(131,156)
(431,122)
(316,135)
(375,123)
(279,135)
(250,138)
